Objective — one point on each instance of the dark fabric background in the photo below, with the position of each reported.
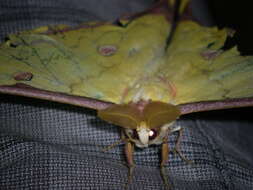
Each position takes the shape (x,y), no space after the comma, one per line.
(45,145)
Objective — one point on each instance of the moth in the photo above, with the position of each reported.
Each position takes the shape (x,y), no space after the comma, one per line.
(141,75)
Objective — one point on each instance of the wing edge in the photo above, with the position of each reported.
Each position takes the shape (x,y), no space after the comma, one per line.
(29,91)
(215,105)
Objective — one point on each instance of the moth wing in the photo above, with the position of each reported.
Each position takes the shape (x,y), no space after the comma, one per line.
(122,115)
(199,70)
(122,64)
(159,113)
(98,61)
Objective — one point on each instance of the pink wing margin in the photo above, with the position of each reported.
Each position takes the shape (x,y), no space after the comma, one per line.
(28,91)
(215,105)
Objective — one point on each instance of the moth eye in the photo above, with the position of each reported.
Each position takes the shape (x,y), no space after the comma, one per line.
(152,134)
(135,134)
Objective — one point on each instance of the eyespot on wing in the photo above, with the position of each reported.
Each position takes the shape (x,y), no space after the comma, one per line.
(125,116)
(159,113)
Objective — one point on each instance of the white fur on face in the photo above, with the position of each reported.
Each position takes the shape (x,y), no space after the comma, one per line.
(143,134)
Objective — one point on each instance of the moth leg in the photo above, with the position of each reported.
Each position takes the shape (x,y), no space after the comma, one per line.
(129,150)
(122,140)
(165,157)
(109,147)
(177,147)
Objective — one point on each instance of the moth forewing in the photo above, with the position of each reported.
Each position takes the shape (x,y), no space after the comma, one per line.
(125,116)
(158,114)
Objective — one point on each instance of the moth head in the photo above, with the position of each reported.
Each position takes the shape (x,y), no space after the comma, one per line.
(145,125)
(145,136)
